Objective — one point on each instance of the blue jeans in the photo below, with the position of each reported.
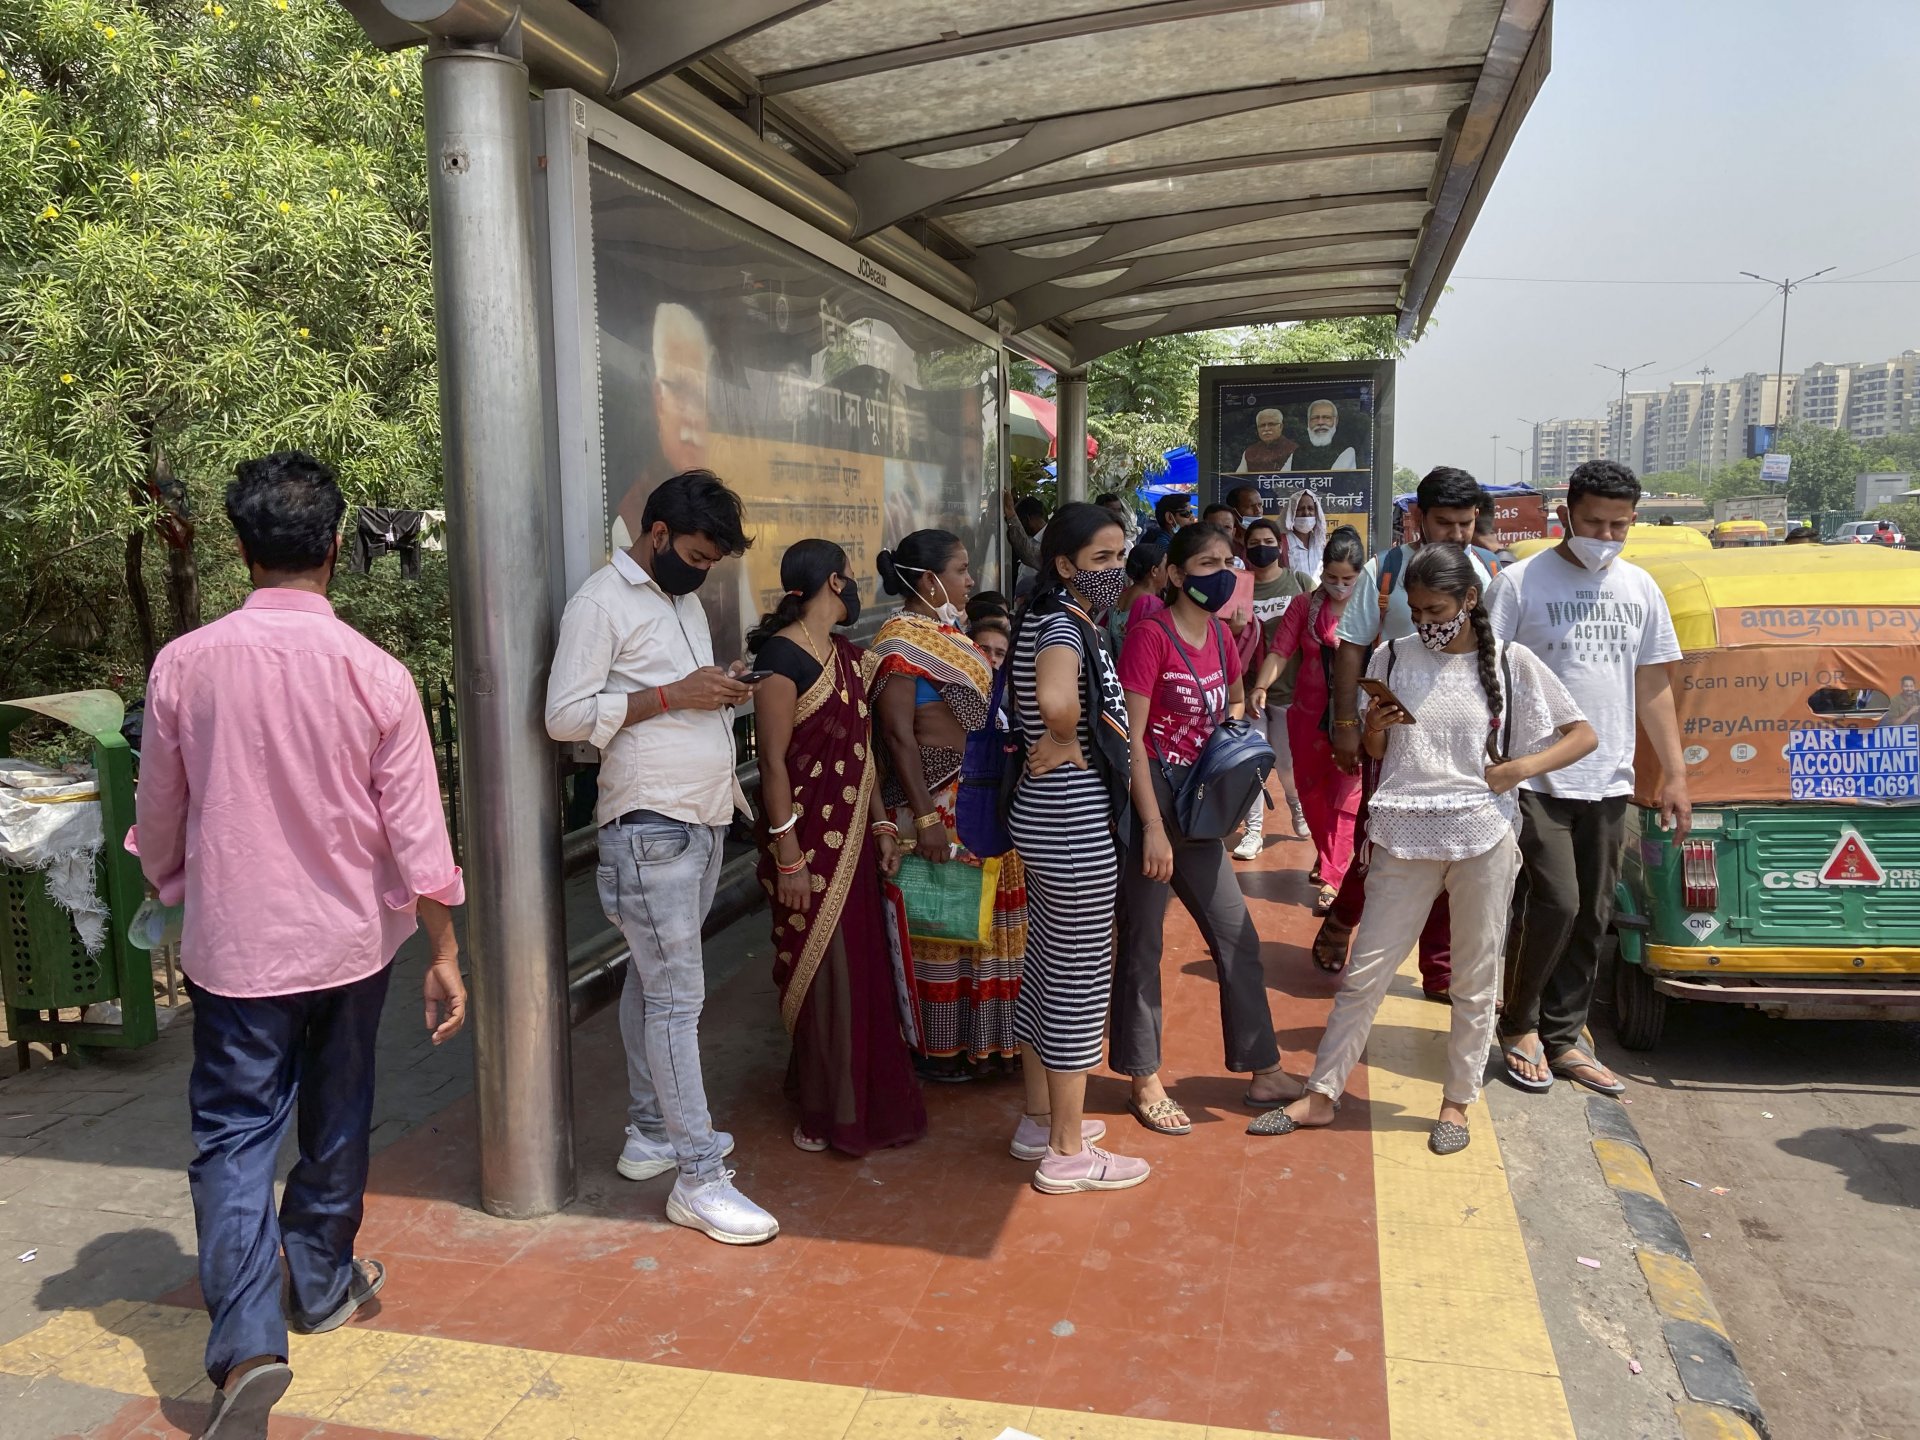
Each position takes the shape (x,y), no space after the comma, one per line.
(256,1063)
(656,882)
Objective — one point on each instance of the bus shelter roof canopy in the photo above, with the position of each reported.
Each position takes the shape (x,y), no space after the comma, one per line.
(1098,171)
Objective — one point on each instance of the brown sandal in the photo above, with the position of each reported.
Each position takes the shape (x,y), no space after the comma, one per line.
(1159,1117)
(1330,946)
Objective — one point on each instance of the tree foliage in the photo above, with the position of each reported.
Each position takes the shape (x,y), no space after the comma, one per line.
(213,245)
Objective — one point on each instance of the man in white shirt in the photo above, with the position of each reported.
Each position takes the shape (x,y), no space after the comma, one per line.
(1443,512)
(634,676)
(1600,624)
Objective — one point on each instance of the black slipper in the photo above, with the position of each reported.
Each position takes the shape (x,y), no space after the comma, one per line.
(241,1413)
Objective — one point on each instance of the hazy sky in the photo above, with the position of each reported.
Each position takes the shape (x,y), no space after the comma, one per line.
(1679,140)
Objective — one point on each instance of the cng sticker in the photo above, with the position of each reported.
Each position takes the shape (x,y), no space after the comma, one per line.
(1701,926)
(1852,863)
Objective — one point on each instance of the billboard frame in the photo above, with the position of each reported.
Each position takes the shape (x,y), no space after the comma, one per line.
(1380,373)
(573,301)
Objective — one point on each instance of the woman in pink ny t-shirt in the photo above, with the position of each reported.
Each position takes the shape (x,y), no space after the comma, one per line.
(1181,672)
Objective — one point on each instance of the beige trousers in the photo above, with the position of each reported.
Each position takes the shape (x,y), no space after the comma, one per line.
(1399,895)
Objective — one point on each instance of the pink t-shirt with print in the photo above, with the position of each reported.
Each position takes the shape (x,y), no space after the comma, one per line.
(1179,718)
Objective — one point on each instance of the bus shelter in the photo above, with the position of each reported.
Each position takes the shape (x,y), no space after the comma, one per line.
(796,243)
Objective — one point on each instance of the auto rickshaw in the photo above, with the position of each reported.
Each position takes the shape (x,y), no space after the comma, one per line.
(1740,534)
(1642,541)
(1798,891)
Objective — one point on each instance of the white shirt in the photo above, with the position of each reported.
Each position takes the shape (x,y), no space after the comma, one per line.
(1594,629)
(1433,801)
(622,633)
(1360,622)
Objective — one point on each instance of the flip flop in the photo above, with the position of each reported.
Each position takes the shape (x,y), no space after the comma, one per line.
(1538,1057)
(1157,1116)
(241,1413)
(1569,1069)
(364,1281)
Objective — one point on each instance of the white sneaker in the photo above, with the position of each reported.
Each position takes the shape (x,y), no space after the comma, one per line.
(1299,818)
(643,1158)
(1249,846)
(719,1211)
(1030,1138)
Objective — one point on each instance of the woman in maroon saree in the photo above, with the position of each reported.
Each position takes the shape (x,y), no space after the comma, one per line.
(825,846)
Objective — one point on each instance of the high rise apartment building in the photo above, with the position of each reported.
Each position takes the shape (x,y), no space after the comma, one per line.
(1702,425)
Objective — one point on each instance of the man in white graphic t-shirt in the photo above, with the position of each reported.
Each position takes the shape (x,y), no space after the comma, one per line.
(1601,624)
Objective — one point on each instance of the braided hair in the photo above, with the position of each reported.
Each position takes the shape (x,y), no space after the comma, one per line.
(1448,570)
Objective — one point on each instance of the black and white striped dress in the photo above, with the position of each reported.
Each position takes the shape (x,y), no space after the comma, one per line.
(1061,827)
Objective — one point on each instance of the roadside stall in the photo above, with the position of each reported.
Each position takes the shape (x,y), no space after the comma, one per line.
(1798,892)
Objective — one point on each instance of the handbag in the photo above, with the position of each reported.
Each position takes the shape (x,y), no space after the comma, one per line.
(951,902)
(1212,799)
(987,763)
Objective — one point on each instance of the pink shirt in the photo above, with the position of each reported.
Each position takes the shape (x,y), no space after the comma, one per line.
(288,796)
(1180,716)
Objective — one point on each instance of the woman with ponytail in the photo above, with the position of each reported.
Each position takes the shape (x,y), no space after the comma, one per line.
(1457,721)
(825,844)
(928,685)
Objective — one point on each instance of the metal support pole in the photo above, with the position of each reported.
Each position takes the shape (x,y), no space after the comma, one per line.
(493,426)
(1073,435)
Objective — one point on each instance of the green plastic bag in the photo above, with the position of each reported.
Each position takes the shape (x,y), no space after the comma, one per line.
(951,902)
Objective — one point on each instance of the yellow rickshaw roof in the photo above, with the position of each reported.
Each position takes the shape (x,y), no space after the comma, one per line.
(1697,583)
(1642,540)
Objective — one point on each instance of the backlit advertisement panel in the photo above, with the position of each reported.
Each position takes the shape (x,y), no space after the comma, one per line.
(1285,428)
(833,409)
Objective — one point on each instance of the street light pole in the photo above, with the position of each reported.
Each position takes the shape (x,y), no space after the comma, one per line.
(1786,288)
(1622,371)
(1496,460)
(1533,427)
(1700,417)
(1523,451)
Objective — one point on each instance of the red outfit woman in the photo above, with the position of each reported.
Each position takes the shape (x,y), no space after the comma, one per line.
(1330,799)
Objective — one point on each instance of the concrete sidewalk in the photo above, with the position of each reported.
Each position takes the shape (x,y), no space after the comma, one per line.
(1339,1283)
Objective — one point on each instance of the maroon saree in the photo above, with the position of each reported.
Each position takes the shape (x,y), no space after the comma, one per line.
(850,1073)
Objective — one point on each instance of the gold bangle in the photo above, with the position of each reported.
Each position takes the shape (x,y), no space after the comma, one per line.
(1353,724)
(927,822)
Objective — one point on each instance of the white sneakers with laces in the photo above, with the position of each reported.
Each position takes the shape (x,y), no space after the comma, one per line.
(719,1211)
(644,1158)
(1249,846)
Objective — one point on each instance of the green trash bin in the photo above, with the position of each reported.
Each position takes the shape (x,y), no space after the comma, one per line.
(44,966)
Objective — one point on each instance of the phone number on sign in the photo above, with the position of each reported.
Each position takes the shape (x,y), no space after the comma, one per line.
(1856,787)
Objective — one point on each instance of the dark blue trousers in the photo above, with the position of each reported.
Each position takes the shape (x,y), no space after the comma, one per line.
(255,1064)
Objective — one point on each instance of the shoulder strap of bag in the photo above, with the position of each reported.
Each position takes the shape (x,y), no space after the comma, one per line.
(1487,558)
(1506,710)
(1390,567)
(1393,653)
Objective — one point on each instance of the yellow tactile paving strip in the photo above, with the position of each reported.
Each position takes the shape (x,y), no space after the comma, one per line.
(1466,1345)
(456,1390)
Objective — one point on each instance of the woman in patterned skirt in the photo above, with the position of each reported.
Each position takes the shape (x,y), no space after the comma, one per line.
(928,686)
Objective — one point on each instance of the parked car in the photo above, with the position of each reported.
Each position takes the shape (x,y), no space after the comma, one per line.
(1870,532)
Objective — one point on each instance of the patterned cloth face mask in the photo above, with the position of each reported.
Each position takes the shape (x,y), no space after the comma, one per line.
(1439,636)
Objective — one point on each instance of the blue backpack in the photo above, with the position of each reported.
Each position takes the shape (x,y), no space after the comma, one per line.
(992,759)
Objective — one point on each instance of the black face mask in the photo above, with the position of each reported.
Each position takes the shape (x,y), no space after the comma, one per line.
(674,575)
(1261,556)
(850,597)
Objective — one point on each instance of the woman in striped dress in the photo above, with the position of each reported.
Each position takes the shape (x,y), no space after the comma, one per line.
(1067,700)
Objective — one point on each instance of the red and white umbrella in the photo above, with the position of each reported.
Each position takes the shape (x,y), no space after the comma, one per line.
(1033,427)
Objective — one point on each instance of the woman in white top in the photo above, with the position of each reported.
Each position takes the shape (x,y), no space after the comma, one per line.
(1472,719)
(1306,537)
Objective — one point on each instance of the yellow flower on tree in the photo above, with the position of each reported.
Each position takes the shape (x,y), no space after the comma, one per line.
(66,379)
(108,31)
(303,332)
(52,212)
(255,101)
(134,177)
(393,92)
(333,193)
(285,208)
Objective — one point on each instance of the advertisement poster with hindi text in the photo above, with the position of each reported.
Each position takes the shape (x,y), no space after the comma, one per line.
(1286,428)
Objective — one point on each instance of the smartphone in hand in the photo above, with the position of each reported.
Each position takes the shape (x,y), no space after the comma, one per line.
(1378,692)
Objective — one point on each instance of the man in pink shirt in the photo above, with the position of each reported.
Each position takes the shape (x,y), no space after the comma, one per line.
(288,798)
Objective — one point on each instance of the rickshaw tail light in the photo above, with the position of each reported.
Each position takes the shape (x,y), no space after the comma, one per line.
(1699,875)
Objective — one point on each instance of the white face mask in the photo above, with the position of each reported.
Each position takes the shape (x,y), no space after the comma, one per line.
(1303,524)
(1594,554)
(946,612)
(1337,589)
